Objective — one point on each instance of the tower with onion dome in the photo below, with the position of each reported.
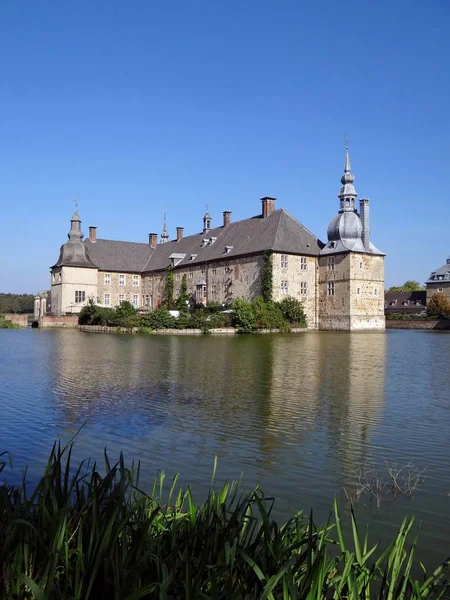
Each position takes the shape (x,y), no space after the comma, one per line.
(351,268)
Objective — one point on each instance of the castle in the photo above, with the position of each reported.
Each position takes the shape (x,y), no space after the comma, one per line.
(340,282)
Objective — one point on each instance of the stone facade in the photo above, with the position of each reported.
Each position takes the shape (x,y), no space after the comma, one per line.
(351,292)
(113,288)
(297,276)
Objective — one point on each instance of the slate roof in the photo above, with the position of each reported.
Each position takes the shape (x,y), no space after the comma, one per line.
(112,255)
(278,232)
(395,301)
(441,274)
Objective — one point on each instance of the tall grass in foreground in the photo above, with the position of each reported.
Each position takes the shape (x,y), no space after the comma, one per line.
(84,535)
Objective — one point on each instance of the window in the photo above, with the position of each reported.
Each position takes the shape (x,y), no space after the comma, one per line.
(284,261)
(375,291)
(121,298)
(203,270)
(135,280)
(191,274)
(135,300)
(214,271)
(284,286)
(358,291)
(303,263)
(80,296)
(121,279)
(440,289)
(303,288)
(361,266)
(107,278)
(330,263)
(330,288)
(53,278)
(213,291)
(107,301)
(177,276)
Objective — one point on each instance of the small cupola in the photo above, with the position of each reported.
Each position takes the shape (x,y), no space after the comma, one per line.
(207,221)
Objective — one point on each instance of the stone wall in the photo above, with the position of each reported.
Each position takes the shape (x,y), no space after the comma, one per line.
(224,280)
(52,321)
(116,289)
(20,320)
(297,270)
(441,324)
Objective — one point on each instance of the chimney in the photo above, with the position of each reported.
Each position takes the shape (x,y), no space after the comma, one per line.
(365,220)
(93,234)
(268,206)
(180,231)
(226,218)
(153,239)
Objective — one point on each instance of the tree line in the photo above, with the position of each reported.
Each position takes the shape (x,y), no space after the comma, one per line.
(17,303)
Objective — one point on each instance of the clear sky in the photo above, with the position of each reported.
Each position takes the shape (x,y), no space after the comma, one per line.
(143,106)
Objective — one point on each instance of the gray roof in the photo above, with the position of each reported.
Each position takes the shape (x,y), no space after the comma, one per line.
(112,255)
(441,274)
(278,232)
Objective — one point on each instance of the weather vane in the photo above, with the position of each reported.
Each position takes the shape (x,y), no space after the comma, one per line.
(75,199)
(346,140)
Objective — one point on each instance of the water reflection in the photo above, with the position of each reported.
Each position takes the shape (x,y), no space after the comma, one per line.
(297,413)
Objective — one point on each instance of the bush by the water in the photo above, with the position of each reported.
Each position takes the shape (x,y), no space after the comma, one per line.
(4,324)
(438,307)
(245,316)
(84,534)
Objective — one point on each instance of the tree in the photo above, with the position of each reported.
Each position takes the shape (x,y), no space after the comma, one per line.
(438,307)
(408,286)
(169,288)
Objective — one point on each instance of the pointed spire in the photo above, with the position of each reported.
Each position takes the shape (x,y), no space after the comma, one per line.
(164,234)
(347,193)
(347,165)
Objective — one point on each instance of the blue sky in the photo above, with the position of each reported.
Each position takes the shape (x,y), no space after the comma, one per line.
(144,106)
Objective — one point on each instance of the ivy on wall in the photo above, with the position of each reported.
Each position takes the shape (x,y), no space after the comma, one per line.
(267,278)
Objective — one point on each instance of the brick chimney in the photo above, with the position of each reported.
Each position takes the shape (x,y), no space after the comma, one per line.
(153,239)
(93,234)
(226,218)
(268,206)
(180,232)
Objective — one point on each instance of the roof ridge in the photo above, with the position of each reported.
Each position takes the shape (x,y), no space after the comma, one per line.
(301,224)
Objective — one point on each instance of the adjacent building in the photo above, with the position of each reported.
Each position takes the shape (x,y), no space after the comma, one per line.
(439,282)
(340,282)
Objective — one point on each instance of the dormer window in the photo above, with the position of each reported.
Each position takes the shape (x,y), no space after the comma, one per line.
(176,258)
(228,249)
(212,240)
(192,257)
(205,242)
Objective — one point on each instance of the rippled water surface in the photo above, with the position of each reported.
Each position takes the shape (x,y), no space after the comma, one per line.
(297,413)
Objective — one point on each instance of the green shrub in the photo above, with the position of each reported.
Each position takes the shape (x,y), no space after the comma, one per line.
(125,315)
(244,316)
(158,319)
(269,315)
(293,312)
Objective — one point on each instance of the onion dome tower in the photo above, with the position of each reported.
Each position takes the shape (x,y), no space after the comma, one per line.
(348,231)
(74,253)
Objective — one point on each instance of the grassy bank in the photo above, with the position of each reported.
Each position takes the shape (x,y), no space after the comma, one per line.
(80,534)
(4,324)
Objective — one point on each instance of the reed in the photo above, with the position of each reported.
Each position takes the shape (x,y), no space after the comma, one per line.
(88,533)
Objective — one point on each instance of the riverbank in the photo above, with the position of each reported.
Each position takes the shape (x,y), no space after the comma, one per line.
(438,324)
(171,331)
(92,534)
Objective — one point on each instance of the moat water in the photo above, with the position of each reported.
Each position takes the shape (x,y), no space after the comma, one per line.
(298,414)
